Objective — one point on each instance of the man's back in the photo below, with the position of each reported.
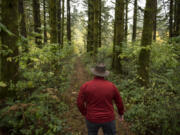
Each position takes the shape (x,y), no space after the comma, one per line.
(95,100)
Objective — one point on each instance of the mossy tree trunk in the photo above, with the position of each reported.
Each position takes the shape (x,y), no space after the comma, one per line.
(90,29)
(126,21)
(53,21)
(45,25)
(171,13)
(22,19)
(155,21)
(37,21)
(59,22)
(96,25)
(99,23)
(146,41)
(118,35)
(68,22)
(177,16)
(22,24)
(62,25)
(134,21)
(9,70)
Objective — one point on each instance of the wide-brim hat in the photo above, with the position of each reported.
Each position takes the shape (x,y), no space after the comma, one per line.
(100,70)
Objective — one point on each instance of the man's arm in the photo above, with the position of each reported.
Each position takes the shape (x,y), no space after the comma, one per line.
(119,102)
(81,101)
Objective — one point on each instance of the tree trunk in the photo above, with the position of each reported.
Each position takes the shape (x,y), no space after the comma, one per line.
(90,32)
(22,19)
(95,27)
(99,24)
(53,21)
(126,21)
(9,70)
(62,32)
(146,41)
(177,16)
(155,21)
(45,29)
(68,22)
(171,18)
(59,22)
(37,21)
(118,35)
(134,21)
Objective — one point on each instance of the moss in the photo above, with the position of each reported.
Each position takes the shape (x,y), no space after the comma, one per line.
(53,21)
(9,70)
(146,41)
(118,35)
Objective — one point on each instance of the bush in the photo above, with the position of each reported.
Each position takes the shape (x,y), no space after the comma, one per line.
(37,107)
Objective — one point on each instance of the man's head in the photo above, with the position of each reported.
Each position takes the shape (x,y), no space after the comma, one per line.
(100,70)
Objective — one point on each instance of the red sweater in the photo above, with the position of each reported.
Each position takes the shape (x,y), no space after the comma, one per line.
(95,100)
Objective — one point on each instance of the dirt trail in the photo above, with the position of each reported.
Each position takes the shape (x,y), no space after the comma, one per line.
(75,121)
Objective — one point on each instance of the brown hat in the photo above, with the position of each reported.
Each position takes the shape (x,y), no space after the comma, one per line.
(100,70)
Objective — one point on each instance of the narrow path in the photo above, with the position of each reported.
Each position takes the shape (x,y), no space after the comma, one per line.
(75,121)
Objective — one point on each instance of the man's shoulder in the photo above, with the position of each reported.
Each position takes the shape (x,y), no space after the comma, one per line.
(109,82)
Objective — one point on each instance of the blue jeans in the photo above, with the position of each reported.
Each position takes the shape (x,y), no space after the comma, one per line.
(109,128)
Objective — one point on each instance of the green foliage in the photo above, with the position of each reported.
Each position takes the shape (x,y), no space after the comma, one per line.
(4,28)
(38,107)
(154,110)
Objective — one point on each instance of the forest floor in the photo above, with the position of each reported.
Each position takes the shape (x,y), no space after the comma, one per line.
(75,121)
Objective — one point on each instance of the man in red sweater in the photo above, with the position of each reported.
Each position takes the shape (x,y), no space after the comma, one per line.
(95,102)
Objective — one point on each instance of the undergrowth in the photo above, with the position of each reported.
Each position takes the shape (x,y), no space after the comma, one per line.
(37,107)
(154,110)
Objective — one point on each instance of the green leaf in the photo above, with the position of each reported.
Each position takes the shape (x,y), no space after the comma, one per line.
(2,84)
(4,28)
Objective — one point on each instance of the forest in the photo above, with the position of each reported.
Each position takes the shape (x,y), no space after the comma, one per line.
(48,46)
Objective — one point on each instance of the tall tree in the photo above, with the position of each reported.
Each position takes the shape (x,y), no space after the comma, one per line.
(53,21)
(22,19)
(118,35)
(126,20)
(146,41)
(62,25)
(68,22)
(134,21)
(37,21)
(45,28)
(155,21)
(59,22)
(177,16)
(9,70)
(99,23)
(90,30)
(96,25)
(171,13)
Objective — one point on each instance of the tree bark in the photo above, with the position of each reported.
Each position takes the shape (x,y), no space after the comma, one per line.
(118,35)
(95,27)
(126,21)
(68,22)
(62,32)
(177,16)
(37,21)
(22,19)
(59,22)
(134,21)
(99,23)
(155,21)
(9,70)
(53,21)
(90,32)
(45,29)
(146,41)
(171,18)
